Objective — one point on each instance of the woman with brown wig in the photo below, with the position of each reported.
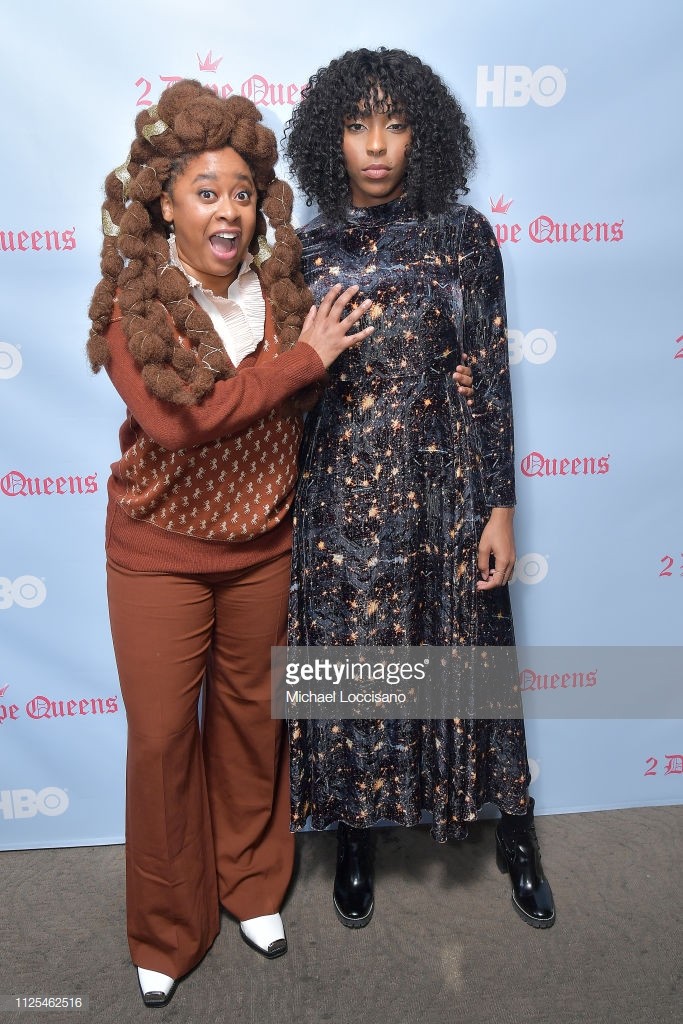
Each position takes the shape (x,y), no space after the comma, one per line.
(214,349)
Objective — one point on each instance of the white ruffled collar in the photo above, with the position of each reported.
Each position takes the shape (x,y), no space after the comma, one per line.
(238,318)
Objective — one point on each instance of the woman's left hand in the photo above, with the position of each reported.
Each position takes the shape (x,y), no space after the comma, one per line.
(498,544)
(463,378)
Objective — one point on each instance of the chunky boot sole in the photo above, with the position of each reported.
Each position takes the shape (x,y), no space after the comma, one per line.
(353,922)
(505,870)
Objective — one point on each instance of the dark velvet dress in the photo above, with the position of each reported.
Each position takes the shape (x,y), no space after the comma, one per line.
(397,479)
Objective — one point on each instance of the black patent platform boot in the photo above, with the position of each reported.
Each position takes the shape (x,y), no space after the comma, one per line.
(353,894)
(518,853)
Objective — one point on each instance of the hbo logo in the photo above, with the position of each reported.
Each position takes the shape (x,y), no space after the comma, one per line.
(26,803)
(10,360)
(531,568)
(24,591)
(538,346)
(513,85)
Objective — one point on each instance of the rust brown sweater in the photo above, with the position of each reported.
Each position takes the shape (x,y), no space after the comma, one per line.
(207,488)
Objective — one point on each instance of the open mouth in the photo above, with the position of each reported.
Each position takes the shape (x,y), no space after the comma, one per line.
(224,244)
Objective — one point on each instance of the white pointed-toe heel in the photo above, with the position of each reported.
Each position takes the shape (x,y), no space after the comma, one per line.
(265,934)
(157,989)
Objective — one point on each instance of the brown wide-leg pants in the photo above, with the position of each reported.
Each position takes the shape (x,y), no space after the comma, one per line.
(207,813)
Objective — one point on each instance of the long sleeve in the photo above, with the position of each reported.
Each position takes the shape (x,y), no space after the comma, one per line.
(232,406)
(485,343)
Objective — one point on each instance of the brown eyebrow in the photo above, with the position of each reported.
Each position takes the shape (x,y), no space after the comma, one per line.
(213,177)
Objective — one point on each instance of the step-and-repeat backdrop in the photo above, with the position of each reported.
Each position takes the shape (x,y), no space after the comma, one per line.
(576,111)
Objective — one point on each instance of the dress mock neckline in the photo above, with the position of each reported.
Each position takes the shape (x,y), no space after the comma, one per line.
(379,213)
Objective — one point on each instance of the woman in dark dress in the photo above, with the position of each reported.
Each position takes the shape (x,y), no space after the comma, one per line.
(403,519)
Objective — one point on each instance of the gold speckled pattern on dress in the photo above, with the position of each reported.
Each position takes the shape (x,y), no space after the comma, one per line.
(397,477)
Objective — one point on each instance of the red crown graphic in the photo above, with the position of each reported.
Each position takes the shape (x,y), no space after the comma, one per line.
(208,63)
(4,689)
(500,206)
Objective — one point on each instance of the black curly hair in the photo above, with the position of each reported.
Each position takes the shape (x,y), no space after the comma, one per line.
(441,154)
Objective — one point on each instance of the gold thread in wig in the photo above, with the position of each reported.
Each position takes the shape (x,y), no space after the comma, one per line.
(264,251)
(108,226)
(154,129)
(153,296)
(123,175)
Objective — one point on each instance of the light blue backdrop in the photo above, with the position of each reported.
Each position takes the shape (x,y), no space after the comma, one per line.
(576,113)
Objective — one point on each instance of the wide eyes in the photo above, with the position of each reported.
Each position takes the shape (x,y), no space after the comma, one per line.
(243,195)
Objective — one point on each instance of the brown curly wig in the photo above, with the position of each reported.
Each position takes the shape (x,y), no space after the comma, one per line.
(188,120)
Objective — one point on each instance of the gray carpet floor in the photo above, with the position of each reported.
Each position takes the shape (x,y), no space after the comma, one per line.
(444,945)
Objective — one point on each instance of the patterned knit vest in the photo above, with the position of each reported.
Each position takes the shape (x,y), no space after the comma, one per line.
(235,488)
